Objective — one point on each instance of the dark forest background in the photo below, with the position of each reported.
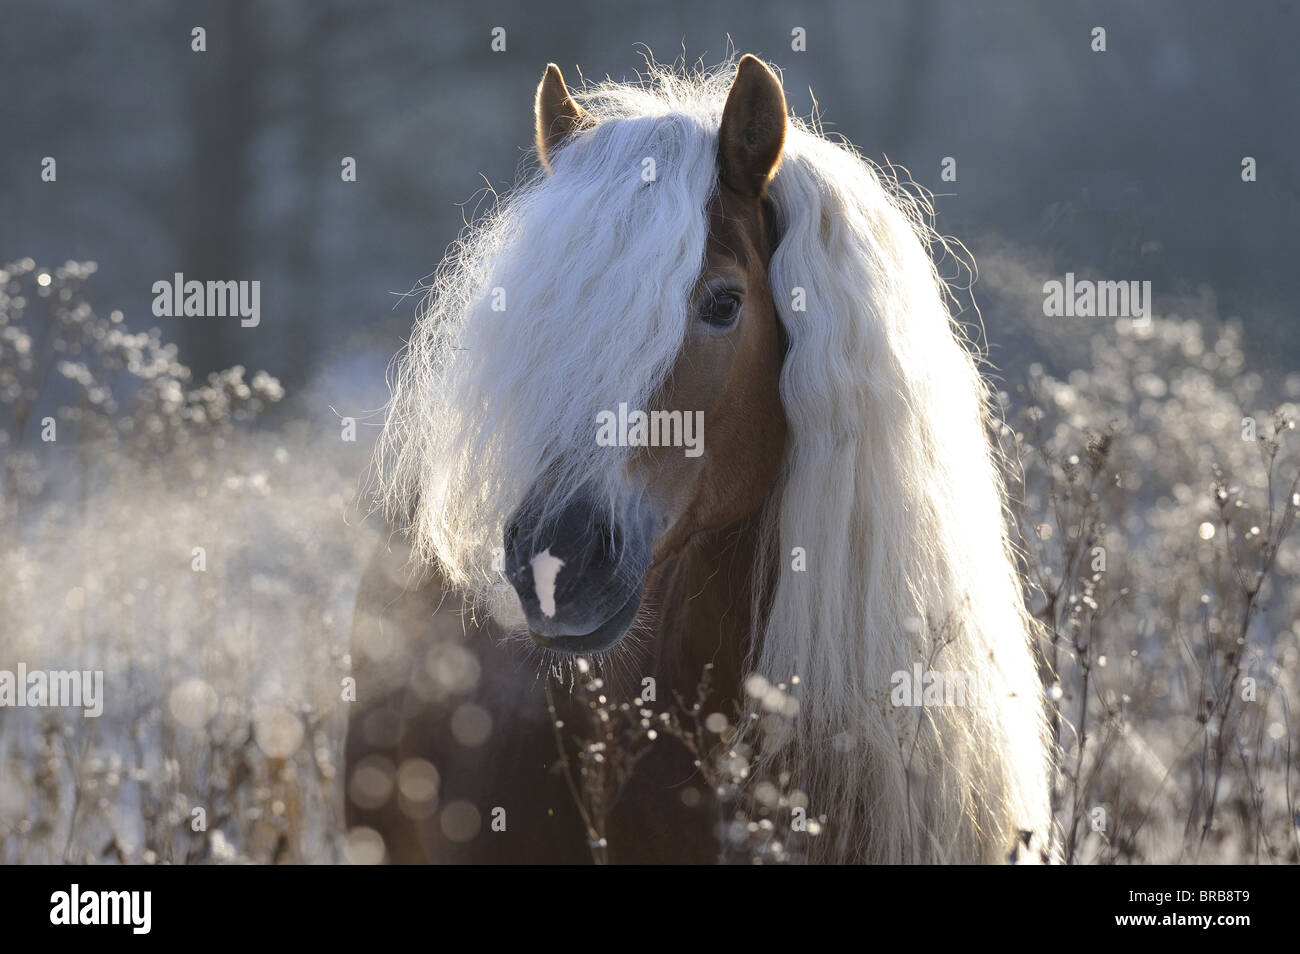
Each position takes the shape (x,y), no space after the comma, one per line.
(225,164)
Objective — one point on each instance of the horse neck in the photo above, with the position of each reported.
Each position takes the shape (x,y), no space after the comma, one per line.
(704,599)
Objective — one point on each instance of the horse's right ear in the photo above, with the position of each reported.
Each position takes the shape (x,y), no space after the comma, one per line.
(558,116)
(752,133)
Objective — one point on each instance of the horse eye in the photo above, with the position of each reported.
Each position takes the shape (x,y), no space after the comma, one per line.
(721,309)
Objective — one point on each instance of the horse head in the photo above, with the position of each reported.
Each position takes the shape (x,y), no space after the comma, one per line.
(579,567)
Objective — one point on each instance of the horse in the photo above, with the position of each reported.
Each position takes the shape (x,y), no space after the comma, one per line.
(688,249)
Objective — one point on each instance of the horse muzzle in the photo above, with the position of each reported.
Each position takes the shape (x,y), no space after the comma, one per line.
(579,570)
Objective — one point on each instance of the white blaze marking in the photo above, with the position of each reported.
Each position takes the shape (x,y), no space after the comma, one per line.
(545,569)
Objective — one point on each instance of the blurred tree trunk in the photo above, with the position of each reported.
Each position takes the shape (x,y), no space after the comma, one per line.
(914,71)
(316,159)
(224,118)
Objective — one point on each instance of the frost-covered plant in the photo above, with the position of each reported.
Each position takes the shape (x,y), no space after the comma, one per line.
(150,533)
(758,819)
(1155,519)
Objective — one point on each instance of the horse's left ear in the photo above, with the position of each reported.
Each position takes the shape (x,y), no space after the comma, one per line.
(558,116)
(752,132)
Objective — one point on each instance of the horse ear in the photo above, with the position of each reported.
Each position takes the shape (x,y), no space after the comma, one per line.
(557,114)
(752,132)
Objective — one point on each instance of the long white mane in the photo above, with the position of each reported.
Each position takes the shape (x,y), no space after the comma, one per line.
(572,296)
(891,489)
